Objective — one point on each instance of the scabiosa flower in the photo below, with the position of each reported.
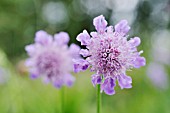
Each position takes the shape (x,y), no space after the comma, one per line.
(51,58)
(109,54)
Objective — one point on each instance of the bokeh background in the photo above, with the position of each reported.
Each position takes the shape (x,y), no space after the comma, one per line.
(20,19)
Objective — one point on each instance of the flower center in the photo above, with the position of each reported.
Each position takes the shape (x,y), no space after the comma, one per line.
(108,58)
(48,63)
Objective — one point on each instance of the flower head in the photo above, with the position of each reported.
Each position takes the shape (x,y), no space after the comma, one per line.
(109,53)
(51,58)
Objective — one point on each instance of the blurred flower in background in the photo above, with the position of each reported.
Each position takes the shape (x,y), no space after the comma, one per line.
(51,59)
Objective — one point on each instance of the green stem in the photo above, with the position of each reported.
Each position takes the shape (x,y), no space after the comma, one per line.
(62,100)
(98,99)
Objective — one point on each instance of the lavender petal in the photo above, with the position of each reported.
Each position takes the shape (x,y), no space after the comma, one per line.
(135,41)
(108,86)
(100,23)
(80,65)
(122,27)
(84,38)
(43,38)
(96,79)
(140,61)
(62,38)
(124,81)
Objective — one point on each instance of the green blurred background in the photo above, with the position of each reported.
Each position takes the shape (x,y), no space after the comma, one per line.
(20,19)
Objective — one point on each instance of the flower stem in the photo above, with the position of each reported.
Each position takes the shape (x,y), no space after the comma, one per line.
(62,100)
(98,99)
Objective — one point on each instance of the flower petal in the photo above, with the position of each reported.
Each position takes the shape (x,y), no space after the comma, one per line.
(74,50)
(30,49)
(94,34)
(34,73)
(122,27)
(100,23)
(43,38)
(124,81)
(34,76)
(135,41)
(80,65)
(110,29)
(69,80)
(140,61)
(58,83)
(62,38)
(84,52)
(96,79)
(108,86)
(29,62)
(84,38)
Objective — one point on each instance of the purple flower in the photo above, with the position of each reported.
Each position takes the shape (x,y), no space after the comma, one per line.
(51,58)
(109,53)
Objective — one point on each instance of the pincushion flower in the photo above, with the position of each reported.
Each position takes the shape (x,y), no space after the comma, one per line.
(51,58)
(109,54)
